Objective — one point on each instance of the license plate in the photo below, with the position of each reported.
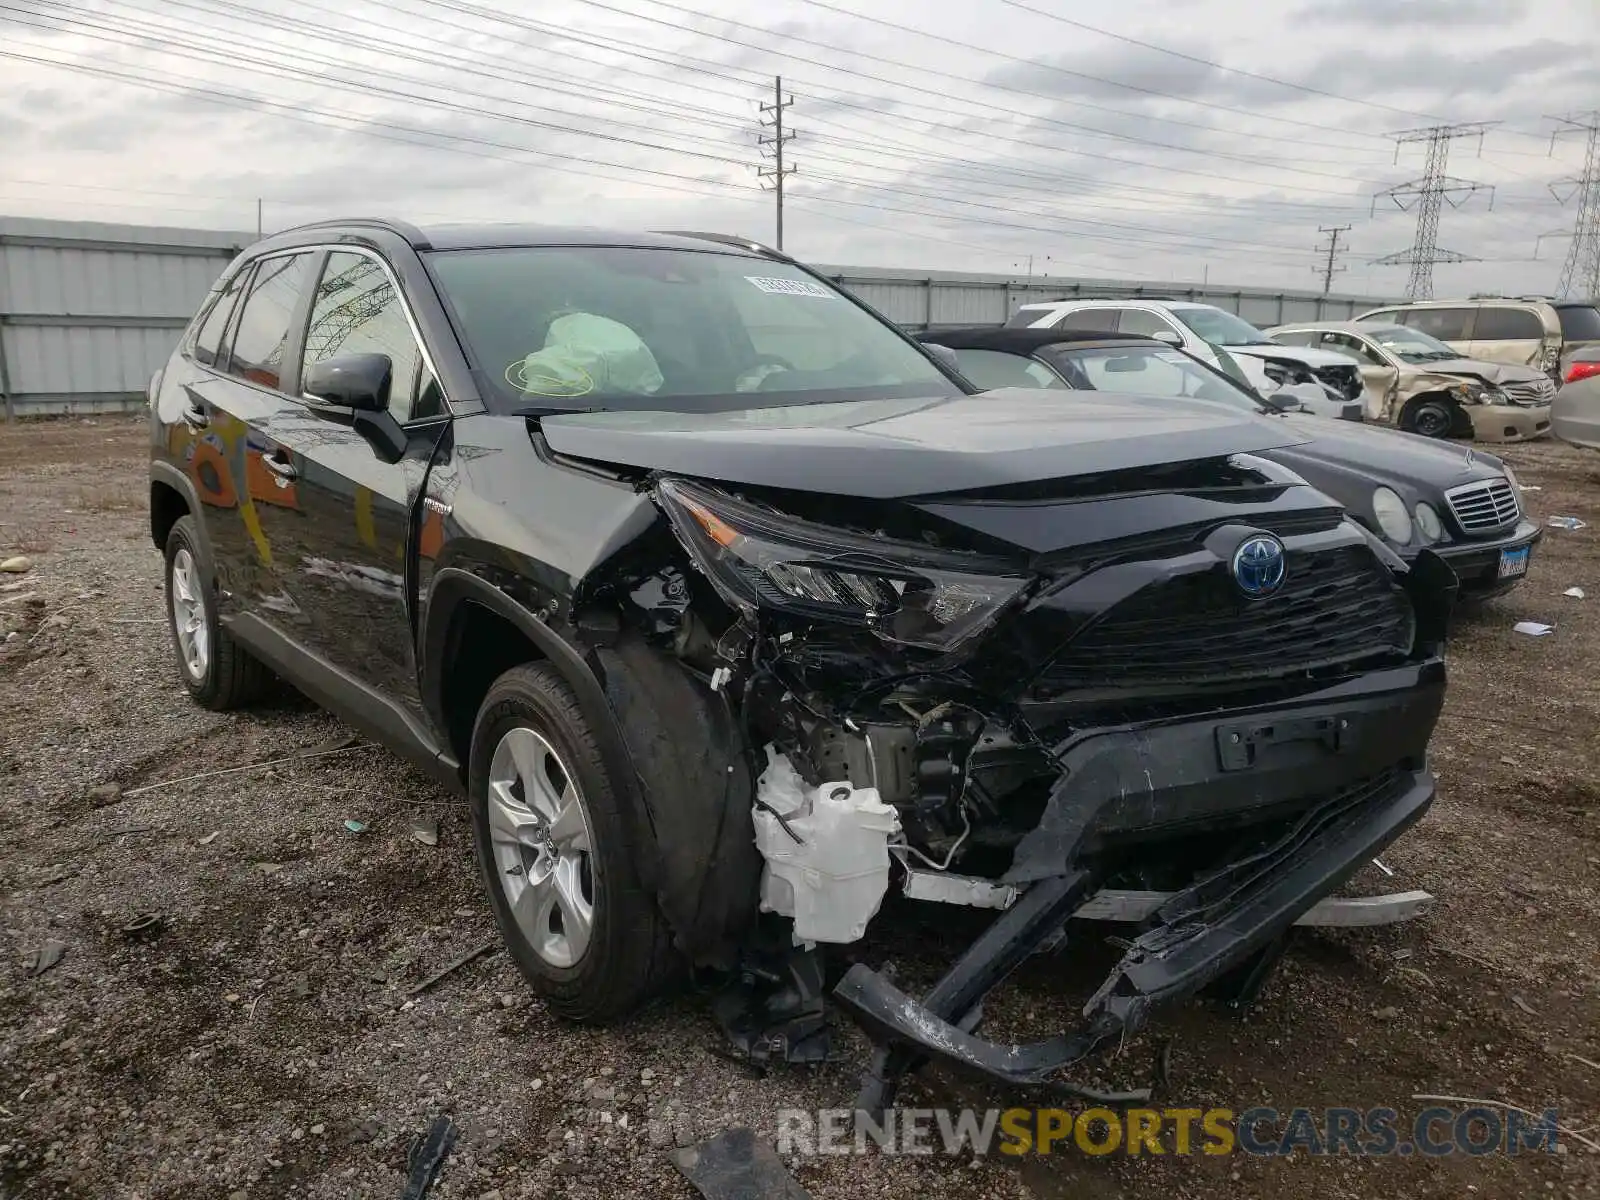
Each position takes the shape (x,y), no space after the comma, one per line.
(1514,562)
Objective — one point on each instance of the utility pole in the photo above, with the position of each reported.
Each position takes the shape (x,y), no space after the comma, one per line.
(1580,273)
(777,139)
(1329,270)
(258,216)
(1430,193)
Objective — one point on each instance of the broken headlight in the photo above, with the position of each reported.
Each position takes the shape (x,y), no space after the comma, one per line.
(903,592)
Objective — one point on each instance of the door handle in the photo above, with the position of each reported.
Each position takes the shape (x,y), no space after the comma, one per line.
(195,417)
(279,466)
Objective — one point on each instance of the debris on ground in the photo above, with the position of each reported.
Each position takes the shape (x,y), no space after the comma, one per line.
(142,925)
(426,1156)
(1575,592)
(425,830)
(105,794)
(46,956)
(354,826)
(1532,628)
(345,745)
(209,838)
(734,1166)
(18,565)
(1572,523)
(1524,1006)
(451,968)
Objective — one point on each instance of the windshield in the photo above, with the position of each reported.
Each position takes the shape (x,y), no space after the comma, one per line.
(991,369)
(602,327)
(1153,371)
(1411,345)
(1220,328)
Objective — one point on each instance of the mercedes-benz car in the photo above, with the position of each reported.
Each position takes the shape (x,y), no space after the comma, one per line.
(1415,493)
(728,607)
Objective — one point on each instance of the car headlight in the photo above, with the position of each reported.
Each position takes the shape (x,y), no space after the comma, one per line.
(1392,516)
(1428,522)
(902,592)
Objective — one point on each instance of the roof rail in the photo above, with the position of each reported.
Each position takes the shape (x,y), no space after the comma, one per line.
(404,228)
(728,239)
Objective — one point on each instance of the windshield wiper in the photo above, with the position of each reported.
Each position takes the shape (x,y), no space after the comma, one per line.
(534,412)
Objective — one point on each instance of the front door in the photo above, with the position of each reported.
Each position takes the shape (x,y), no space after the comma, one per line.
(343,545)
(1378,374)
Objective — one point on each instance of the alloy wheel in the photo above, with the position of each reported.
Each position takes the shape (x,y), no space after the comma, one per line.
(539,829)
(189,616)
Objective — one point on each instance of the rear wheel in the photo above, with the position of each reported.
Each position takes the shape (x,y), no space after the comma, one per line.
(217,672)
(553,846)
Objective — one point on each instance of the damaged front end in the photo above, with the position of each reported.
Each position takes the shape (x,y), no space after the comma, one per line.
(1198,681)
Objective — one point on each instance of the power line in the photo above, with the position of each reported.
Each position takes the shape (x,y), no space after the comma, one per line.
(1580,273)
(777,139)
(1430,193)
(1119,112)
(1328,269)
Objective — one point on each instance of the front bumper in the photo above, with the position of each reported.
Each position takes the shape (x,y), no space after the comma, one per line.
(1477,564)
(1350,763)
(1508,422)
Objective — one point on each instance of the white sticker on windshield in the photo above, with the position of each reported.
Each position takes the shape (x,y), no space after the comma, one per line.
(791,287)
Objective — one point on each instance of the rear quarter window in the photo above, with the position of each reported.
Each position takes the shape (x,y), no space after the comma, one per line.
(208,337)
(1579,322)
(1496,324)
(1097,320)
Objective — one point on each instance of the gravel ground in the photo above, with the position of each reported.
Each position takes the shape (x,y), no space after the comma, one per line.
(261,1040)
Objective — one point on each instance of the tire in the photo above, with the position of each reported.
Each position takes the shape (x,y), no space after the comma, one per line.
(538,876)
(223,675)
(1431,418)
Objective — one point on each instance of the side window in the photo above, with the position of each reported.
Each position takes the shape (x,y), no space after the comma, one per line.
(1386,316)
(1296,337)
(1098,320)
(1496,324)
(1138,320)
(1446,324)
(263,328)
(208,338)
(357,311)
(1343,343)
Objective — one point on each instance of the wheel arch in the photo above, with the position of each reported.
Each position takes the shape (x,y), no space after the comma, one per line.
(1459,418)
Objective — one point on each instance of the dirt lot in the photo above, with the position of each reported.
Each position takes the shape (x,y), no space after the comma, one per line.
(260,1042)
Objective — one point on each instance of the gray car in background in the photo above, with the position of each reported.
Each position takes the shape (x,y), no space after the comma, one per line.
(1575,412)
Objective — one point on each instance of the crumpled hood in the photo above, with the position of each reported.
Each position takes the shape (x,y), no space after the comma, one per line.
(1310,355)
(890,449)
(1494,372)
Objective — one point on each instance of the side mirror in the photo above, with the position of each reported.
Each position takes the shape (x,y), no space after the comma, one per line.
(1284,402)
(358,382)
(1169,336)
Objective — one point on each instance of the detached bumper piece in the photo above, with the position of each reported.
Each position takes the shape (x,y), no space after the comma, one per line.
(1226,929)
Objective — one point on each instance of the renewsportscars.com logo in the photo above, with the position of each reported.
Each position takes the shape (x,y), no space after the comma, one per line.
(1265,1132)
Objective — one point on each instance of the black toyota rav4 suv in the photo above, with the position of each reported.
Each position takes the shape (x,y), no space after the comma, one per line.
(730,607)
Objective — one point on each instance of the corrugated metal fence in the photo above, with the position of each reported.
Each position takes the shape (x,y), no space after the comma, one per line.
(919,300)
(88,312)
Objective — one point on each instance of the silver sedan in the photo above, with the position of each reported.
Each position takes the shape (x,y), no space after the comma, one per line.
(1575,412)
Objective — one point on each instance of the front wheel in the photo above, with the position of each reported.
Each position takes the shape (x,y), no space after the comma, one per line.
(553,845)
(1432,418)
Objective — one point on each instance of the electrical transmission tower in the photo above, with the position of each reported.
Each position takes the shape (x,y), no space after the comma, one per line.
(1580,274)
(1328,270)
(1430,193)
(772,118)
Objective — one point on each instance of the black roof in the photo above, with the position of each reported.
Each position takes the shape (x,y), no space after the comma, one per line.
(487,235)
(1022,341)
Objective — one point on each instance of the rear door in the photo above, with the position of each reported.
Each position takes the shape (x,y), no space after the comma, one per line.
(240,393)
(1510,334)
(343,544)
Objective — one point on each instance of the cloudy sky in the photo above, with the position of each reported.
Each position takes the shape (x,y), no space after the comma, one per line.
(1149,139)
